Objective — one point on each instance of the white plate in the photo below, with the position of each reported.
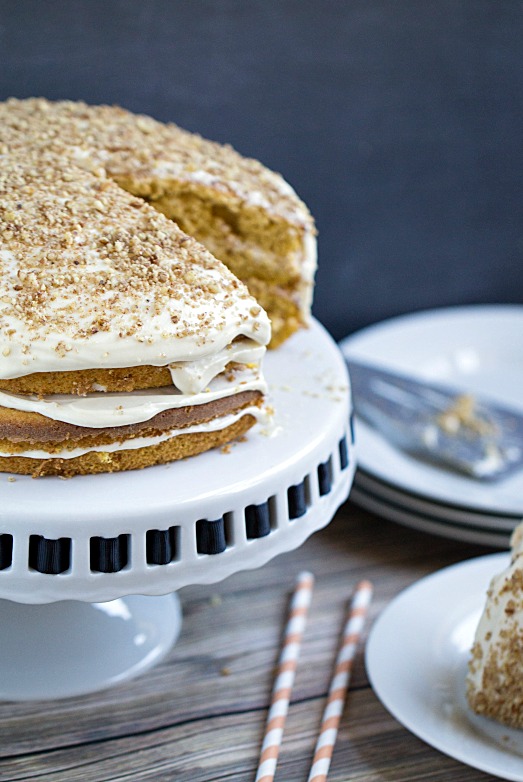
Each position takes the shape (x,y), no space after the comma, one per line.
(417,656)
(448,513)
(426,523)
(478,349)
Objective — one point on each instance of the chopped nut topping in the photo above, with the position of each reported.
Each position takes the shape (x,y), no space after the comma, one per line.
(109,140)
(76,264)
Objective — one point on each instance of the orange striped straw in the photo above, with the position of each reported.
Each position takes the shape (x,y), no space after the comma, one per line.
(285,676)
(340,683)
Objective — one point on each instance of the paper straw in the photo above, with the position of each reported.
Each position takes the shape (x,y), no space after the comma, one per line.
(340,683)
(285,676)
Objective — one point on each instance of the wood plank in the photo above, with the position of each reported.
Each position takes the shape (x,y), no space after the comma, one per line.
(371,746)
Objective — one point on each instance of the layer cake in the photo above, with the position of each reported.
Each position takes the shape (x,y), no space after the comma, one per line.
(243,213)
(123,341)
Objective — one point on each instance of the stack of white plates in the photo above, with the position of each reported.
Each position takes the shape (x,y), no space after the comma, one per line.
(477,349)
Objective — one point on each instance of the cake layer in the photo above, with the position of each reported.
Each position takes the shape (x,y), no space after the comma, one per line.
(85,381)
(105,442)
(35,445)
(179,446)
(189,377)
(246,215)
(102,409)
(19,428)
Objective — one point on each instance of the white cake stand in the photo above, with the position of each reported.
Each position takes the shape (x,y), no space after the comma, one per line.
(89,566)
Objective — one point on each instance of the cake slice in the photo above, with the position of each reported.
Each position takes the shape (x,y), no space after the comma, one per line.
(246,215)
(123,341)
(495,677)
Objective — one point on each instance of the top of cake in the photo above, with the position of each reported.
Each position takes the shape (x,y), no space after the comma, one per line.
(138,149)
(93,276)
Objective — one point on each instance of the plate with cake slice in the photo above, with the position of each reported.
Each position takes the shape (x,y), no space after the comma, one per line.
(423,659)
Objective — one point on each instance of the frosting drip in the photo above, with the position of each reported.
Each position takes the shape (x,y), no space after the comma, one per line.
(192,377)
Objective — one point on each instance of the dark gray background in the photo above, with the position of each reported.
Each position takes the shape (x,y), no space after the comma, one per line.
(398,121)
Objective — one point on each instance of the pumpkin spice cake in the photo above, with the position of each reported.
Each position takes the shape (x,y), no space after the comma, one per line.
(495,677)
(123,341)
(244,214)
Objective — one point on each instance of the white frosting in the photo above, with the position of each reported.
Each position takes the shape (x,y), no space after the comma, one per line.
(493,627)
(168,168)
(498,626)
(42,349)
(100,410)
(192,377)
(309,262)
(217,424)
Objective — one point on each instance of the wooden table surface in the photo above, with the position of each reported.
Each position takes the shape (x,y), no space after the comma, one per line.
(199,715)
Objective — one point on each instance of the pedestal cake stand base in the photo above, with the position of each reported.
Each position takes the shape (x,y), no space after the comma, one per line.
(72,648)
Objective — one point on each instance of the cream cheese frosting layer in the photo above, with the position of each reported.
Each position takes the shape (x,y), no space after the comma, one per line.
(500,624)
(491,635)
(192,377)
(217,424)
(308,265)
(93,277)
(101,410)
